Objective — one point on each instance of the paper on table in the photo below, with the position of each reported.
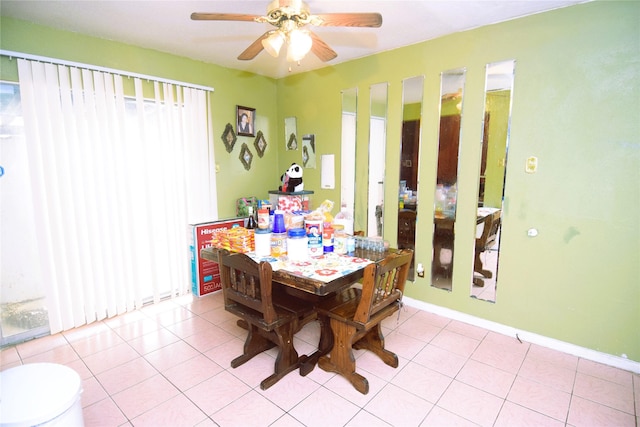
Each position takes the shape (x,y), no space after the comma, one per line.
(325,268)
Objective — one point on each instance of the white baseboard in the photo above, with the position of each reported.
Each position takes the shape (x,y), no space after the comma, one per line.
(583,352)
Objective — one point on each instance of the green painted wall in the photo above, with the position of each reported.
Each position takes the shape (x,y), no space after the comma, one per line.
(498,108)
(576,106)
(411,112)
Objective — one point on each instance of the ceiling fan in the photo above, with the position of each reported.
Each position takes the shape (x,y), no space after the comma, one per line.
(290,17)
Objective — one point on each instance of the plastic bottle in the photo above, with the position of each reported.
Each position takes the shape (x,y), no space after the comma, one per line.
(440,199)
(278,236)
(327,238)
(351,244)
(251,221)
(263,219)
(339,239)
(450,200)
(262,242)
(297,242)
(344,218)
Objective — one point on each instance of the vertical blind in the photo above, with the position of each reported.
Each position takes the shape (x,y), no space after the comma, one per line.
(116,180)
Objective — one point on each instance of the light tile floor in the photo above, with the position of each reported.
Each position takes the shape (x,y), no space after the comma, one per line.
(168,365)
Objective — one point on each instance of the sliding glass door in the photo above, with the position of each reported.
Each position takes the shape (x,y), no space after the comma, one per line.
(22,297)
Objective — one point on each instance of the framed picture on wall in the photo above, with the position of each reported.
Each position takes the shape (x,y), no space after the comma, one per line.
(246,121)
(260,143)
(246,156)
(229,137)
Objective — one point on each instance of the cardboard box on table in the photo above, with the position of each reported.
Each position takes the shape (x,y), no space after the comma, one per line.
(205,274)
(290,202)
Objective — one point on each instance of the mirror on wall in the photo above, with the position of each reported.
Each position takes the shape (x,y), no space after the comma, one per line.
(377,156)
(348,149)
(493,168)
(290,133)
(309,151)
(412,89)
(446,191)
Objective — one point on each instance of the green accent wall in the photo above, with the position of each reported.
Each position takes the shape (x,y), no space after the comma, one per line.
(576,105)
(498,109)
(411,112)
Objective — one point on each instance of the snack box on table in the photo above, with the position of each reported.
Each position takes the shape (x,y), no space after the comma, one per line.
(205,274)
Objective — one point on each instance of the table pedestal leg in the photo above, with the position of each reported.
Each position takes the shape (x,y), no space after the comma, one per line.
(307,363)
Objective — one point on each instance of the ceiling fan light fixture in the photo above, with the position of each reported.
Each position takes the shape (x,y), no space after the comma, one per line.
(299,45)
(290,17)
(273,43)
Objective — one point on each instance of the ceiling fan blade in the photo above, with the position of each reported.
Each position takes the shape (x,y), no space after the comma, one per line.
(321,49)
(347,20)
(224,17)
(254,49)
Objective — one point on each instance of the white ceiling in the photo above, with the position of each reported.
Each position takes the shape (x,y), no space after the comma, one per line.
(166,25)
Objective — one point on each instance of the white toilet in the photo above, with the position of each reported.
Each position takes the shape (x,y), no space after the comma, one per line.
(40,394)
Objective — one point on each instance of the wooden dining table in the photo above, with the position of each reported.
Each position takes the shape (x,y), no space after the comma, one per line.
(314,289)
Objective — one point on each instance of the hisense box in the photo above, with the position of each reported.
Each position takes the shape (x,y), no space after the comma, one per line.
(205,274)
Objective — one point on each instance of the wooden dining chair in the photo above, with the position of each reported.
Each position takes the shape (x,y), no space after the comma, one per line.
(485,242)
(356,315)
(271,318)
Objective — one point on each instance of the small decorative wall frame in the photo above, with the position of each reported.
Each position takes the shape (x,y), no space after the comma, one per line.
(309,151)
(229,137)
(260,143)
(292,144)
(246,156)
(290,133)
(246,118)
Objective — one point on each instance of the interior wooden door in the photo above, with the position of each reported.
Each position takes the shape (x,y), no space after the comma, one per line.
(410,150)
(449,144)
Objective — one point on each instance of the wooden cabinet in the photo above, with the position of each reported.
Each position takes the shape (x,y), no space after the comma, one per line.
(448,150)
(410,152)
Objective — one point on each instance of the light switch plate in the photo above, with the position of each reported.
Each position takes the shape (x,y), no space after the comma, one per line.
(532,165)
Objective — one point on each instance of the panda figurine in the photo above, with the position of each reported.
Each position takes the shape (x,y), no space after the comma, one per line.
(292,179)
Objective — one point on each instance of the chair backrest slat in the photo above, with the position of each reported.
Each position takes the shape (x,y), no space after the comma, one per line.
(383,284)
(247,283)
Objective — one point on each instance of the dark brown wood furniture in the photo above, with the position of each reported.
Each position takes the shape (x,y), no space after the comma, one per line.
(443,238)
(485,242)
(448,149)
(271,318)
(407,233)
(406,229)
(312,291)
(410,153)
(356,314)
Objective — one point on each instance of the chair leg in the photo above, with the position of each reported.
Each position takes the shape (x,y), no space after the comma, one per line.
(479,282)
(478,266)
(287,359)
(373,341)
(253,345)
(341,360)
